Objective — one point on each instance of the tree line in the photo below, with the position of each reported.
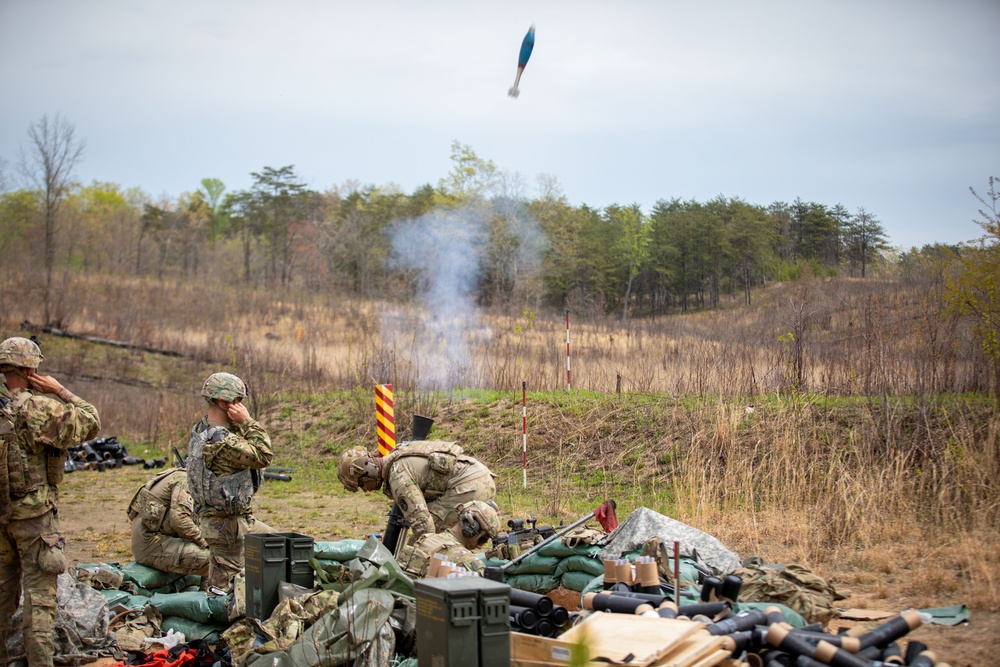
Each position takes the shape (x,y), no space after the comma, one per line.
(541,250)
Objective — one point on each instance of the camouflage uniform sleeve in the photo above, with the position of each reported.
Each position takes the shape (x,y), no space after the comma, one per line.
(181,516)
(61,425)
(407,494)
(246,447)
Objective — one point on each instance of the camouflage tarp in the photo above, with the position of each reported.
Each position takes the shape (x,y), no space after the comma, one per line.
(361,627)
(81,631)
(644,523)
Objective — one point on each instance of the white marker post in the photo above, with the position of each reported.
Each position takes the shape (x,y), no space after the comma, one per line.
(524,433)
(568,383)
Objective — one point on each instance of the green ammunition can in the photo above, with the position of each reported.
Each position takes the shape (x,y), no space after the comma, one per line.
(264,558)
(298,551)
(494,623)
(462,622)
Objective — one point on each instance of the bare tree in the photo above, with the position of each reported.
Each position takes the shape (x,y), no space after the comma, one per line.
(48,164)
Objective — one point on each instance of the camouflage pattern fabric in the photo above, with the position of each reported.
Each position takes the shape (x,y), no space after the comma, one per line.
(80,634)
(286,624)
(430,479)
(794,586)
(644,523)
(340,636)
(31,543)
(166,533)
(131,627)
(416,558)
(224,536)
(245,447)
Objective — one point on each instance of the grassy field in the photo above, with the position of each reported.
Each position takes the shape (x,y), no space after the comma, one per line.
(829,425)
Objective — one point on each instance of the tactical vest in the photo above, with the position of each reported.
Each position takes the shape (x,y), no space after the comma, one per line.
(26,471)
(441,460)
(152,505)
(228,494)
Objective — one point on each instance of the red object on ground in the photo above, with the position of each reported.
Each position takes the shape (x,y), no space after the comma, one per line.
(605,515)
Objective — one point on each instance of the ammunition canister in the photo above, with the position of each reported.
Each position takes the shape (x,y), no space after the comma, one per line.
(540,603)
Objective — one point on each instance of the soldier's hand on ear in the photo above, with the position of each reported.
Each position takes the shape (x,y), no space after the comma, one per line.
(43,383)
(237,412)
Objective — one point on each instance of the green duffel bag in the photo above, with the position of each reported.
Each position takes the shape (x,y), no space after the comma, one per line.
(577,581)
(533,583)
(195,606)
(590,566)
(341,550)
(148,577)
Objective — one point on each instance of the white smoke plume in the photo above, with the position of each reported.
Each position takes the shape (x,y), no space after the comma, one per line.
(444,251)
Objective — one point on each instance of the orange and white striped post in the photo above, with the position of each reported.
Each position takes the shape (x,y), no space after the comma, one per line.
(386,419)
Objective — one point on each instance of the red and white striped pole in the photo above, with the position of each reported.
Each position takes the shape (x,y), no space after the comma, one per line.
(524,433)
(568,383)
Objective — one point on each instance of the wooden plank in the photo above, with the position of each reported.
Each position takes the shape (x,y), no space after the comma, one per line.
(692,650)
(623,638)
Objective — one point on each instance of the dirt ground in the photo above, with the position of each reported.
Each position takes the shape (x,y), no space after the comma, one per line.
(93,519)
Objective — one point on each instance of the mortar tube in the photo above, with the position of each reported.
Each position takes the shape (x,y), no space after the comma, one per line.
(851,644)
(812,627)
(710,589)
(774,615)
(647,575)
(775,658)
(540,603)
(615,604)
(420,427)
(653,599)
(737,642)
(780,636)
(559,616)
(710,609)
(913,649)
(891,654)
(730,588)
(739,623)
(610,573)
(667,610)
(545,628)
(891,630)
(924,659)
(623,572)
(523,617)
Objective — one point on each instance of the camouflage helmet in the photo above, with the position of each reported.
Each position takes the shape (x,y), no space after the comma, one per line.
(20,352)
(478,518)
(225,387)
(357,464)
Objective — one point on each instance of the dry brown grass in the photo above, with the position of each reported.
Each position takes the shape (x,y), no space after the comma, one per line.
(873,488)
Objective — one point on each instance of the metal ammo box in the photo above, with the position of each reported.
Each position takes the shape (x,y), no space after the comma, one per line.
(271,558)
(298,551)
(264,558)
(462,622)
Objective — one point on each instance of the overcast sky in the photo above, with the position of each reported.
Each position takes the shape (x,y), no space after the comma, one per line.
(890,105)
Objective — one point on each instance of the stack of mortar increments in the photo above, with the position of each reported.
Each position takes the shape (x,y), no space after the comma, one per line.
(756,638)
(535,614)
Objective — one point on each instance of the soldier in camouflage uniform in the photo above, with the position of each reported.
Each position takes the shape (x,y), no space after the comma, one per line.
(477,524)
(166,533)
(428,479)
(36,430)
(227,453)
